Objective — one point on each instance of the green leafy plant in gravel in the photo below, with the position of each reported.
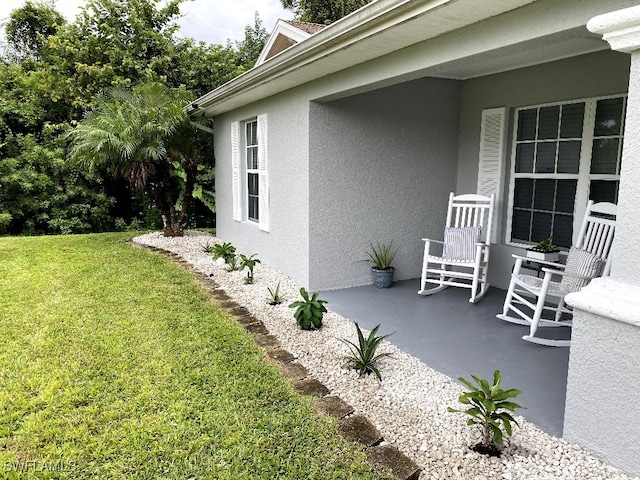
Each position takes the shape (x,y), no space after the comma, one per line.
(309,310)
(489,409)
(364,355)
(248,262)
(223,250)
(275,297)
(116,364)
(234,264)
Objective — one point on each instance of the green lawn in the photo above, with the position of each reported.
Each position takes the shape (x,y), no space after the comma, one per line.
(114,363)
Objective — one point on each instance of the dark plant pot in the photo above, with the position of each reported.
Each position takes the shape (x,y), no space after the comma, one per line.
(382,278)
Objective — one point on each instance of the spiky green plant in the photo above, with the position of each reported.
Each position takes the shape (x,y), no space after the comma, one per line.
(309,310)
(234,263)
(207,247)
(381,255)
(275,298)
(363,355)
(489,409)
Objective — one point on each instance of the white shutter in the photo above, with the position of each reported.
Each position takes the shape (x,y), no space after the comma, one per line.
(263,175)
(236,171)
(492,138)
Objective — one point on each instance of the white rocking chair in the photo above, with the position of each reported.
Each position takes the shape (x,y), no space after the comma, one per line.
(464,257)
(588,259)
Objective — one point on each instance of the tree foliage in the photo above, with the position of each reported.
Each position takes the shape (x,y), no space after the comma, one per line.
(52,73)
(144,136)
(322,11)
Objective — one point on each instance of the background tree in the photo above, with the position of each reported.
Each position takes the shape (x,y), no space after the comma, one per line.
(144,136)
(322,11)
(53,72)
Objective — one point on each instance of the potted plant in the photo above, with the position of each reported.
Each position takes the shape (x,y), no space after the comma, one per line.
(380,256)
(544,250)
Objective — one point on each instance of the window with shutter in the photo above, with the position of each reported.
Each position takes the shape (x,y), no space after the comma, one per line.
(249,171)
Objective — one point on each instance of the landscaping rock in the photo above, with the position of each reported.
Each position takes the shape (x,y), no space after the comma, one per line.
(256,329)
(334,406)
(268,341)
(293,370)
(311,387)
(358,429)
(386,459)
(280,355)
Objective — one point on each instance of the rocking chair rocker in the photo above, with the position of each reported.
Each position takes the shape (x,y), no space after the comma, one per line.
(585,261)
(465,250)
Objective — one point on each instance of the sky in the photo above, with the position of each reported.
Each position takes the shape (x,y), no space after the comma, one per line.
(212,21)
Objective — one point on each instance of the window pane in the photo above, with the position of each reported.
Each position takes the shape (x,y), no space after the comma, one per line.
(524,157)
(541,226)
(520,225)
(569,157)
(572,119)
(252,184)
(545,193)
(608,117)
(562,230)
(604,191)
(252,158)
(566,195)
(548,123)
(253,208)
(527,124)
(523,197)
(604,157)
(546,157)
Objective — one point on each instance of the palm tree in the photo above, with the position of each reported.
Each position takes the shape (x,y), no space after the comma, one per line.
(144,136)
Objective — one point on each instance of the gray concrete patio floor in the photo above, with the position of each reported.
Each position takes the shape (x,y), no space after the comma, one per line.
(458,338)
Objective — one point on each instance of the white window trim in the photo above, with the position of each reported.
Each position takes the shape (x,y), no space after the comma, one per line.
(240,203)
(584,176)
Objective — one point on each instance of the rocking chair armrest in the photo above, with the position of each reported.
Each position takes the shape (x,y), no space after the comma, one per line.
(559,266)
(563,273)
(434,241)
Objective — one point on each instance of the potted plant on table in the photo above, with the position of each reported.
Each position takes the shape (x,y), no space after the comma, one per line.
(544,250)
(380,257)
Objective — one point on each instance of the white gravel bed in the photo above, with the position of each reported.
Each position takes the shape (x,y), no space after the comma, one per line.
(410,405)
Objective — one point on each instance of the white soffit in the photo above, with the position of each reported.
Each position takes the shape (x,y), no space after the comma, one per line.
(379,28)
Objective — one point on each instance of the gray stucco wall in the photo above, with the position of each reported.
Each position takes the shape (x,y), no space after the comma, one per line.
(382,165)
(602,410)
(596,74)
(286,245)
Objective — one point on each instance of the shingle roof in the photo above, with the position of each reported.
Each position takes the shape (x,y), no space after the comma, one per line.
(306,26)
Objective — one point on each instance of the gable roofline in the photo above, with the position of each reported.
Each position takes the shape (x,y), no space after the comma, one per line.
(289,29)
(332,49)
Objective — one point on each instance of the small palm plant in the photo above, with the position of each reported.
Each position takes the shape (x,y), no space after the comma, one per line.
(489,409)
(363,356)
(248,262)
(309,310)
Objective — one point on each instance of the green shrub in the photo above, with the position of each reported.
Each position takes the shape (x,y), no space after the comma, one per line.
(363,356)
(223,250)
(489,409)
(309,311)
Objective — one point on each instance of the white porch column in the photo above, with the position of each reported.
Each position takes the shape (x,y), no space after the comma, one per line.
(603,387)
